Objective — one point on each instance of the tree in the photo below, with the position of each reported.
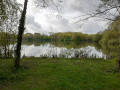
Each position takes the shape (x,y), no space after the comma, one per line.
(21,29)
(8,23)
(108,10)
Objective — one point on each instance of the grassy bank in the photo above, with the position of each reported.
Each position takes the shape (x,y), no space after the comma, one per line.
(59,74)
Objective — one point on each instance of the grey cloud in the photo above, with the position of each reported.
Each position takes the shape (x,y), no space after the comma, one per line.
(60,24)
(83,5)
(32,24)
(31,21)
(64,24)
(92,27)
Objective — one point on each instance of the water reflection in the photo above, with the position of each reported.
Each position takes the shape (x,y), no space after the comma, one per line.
(61,49)
(69,50)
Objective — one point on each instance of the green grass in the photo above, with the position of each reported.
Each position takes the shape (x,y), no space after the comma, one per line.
(59,74)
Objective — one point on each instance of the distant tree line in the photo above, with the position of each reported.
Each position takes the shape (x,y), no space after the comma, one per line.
(108,36)
(67,36)
(35,37)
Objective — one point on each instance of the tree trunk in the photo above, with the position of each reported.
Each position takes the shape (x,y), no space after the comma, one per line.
(20,34)
(118,61)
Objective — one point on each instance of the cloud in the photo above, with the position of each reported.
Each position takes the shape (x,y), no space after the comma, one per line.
(83,5)
(49,20)
(20,1)
(32,25)
(92,27)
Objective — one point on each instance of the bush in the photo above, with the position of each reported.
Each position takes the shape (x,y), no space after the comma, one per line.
(113,41)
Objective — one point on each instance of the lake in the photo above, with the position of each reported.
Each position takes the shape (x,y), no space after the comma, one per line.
(67,50)
(63,50)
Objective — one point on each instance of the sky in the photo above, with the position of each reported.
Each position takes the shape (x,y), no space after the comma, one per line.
(62,18)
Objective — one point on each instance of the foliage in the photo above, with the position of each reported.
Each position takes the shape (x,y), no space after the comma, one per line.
(6,40)
(35,37)
(9,10)
(97,37)
(68,36)
(111,35)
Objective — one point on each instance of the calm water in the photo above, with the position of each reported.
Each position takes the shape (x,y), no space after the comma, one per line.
(50,50)
(68,50)
(64,50)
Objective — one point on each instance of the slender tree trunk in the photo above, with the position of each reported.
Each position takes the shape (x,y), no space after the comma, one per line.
(118,61)
(5,50)
(20,34)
